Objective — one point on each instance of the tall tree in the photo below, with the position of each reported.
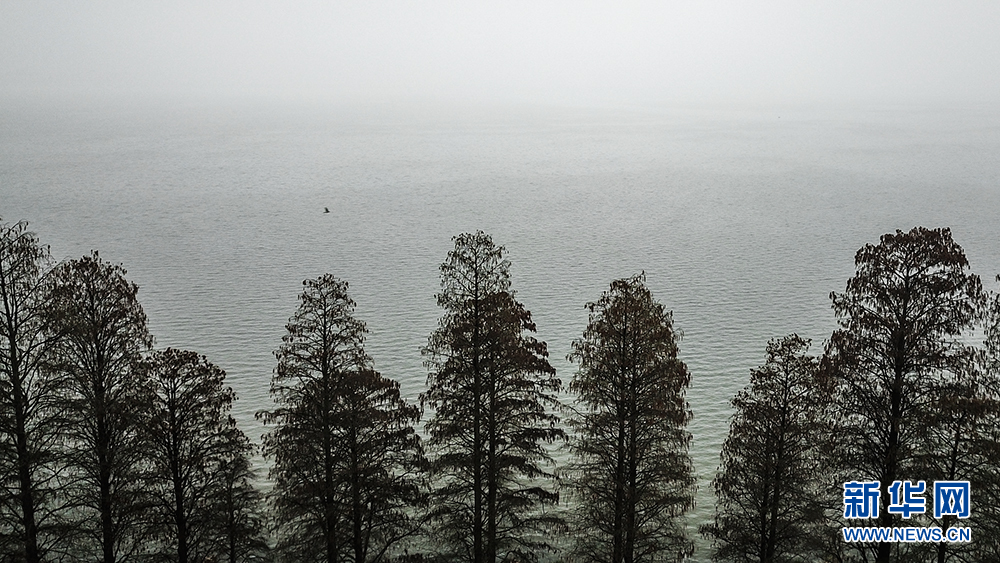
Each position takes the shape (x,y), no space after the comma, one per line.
(238,525)
(961,442)
(902,318)
(492,391)
(634,476)
(346,458)
(984,445)
(106,396)
(962,434)
(192,441)
(768,480)
(29,426)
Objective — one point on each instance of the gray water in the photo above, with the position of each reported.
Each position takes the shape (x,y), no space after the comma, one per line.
(744,221)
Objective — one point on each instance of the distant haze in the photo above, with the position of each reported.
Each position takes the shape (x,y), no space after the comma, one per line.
(576,52)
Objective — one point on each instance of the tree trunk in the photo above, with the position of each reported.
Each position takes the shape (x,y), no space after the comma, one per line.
(104,465)
(231,522)
(478,555)
(356,508)
(26,492)
(632,500)
(329,498)
(180,519)
(777,486)
(618,536)
(492,477)
(892,450)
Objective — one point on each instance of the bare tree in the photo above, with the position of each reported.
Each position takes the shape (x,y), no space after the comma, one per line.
(900,345)
(238,533)
(346,458)
(29,424)
(194,443)
(493,391)
(769,480)
(962,442)
(633,477)
(105,395)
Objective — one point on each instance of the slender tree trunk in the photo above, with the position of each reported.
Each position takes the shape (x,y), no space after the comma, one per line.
(492,477)
(942,547)
(329,498)
(777,485)
(478,554)
(24,481)
(618,536)
(180,519)
(104,490)
(952,474)
(231,522)
(181,522)
(25,485)
(763,526)
(619,484)
(356,508)
(778,481)
(621,467)
(631,505)
(26,492)
(330,531)
(763,520)
(105,504)
(892,451)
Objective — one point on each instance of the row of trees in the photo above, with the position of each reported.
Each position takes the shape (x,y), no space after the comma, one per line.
(109,451)
(113,452)
(353,481)
(907,389)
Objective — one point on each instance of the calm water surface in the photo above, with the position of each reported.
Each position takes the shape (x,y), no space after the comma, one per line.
(743,221)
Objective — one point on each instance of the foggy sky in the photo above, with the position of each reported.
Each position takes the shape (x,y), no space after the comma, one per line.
(504,51)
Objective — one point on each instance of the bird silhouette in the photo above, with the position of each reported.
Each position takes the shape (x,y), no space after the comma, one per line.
(326,210)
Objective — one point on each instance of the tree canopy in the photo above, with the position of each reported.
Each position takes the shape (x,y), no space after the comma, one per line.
(192,441)
(112,452)
(898,353)
(29,424)
(492,391)
(105,395)
(346,458)
(633,477)
(767,485)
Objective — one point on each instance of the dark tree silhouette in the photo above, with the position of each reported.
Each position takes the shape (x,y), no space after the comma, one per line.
(962,431)
(983,447)
(633,475)
(961,442)
(105,395)
(29,426)
(346,458)
(902,319)
(768,482)
(192,440)
(237,528)
(491,388)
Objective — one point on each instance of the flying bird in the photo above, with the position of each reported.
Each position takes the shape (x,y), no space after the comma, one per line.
(326,210)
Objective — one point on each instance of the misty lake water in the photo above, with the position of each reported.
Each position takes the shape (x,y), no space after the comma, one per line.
(743,221)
